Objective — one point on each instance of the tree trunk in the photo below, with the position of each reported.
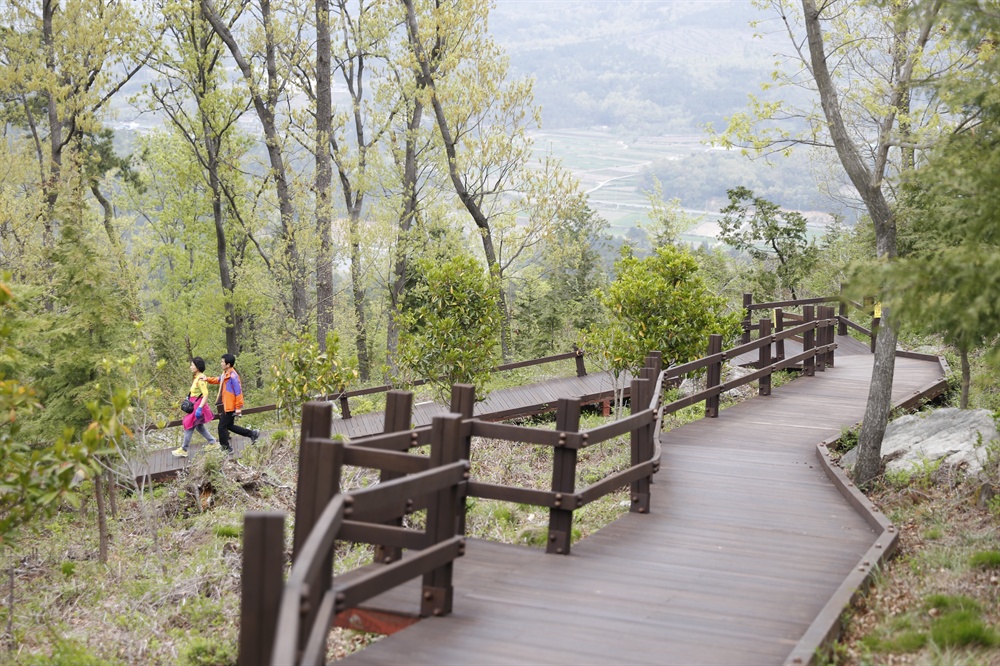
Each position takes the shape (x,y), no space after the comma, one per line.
(49,8)
(324,177)
(233,321)
(868,183)
(406,221)
(112,493)
(102,517)
(966,377)
(10,610)
(358,291)
(869,464)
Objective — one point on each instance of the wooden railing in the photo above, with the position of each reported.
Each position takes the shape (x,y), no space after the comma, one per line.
(344,398)
(288,623)
(781,318)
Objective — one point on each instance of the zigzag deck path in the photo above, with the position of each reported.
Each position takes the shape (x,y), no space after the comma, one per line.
(748,547)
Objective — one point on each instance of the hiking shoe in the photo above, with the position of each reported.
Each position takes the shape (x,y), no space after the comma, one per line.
(211,446)
(179,453)
(254,436)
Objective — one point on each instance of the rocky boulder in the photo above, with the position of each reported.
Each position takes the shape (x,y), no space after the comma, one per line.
(730,373)
(957,437)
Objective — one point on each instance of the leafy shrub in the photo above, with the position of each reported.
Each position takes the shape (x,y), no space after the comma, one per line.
(208,652)
(848,438)
(448,333)
(304,372)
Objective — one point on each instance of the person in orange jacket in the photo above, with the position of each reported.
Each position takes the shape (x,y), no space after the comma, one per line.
(231,393)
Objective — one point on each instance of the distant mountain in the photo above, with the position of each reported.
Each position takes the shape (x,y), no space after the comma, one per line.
(653,67)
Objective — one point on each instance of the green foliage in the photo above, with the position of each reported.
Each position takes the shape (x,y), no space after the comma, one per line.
(556,305)
(949,280)
(987,559)
(946,622)
(659,303)
(87,323)
(304,372)
(848,438)
(906,640)
(962,628)
(774,238)
(208,652)
(66,652)
(450,334)
(36,479)
(228,531)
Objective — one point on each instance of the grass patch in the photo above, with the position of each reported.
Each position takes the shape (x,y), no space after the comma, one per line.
(229,531)
(962,628)
(987,559)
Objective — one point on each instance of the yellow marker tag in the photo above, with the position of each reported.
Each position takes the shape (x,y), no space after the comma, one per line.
(878,311)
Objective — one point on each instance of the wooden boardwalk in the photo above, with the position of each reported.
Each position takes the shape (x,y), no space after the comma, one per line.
(749,548)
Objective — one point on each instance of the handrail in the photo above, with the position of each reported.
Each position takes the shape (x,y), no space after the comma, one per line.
(802,301)
(343,396)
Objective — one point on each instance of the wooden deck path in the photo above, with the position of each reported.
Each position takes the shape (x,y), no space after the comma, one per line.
(748,548)
(499,404)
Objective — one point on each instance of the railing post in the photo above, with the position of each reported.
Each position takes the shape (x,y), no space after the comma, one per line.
(747,319)
(654,360)
(261,585)
(831,338)
(437,593)
(714,375)
(581,368)
(345,408)
(764,358)
(779,326)
(809,341)
(842,311)
(563,479)
(463,401)
(319,481)
(642,393)
(398,415)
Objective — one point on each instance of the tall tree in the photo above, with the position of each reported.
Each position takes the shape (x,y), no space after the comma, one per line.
(324,173)
(481,117)
(865,114)
(63,62)
(948,282)
(266,94)
(775,239)
(191,68)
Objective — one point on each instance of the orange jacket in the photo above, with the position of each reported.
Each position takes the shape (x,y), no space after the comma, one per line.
(232,390)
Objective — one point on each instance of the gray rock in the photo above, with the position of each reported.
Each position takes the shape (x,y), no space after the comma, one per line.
(730,373)
(956,437)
